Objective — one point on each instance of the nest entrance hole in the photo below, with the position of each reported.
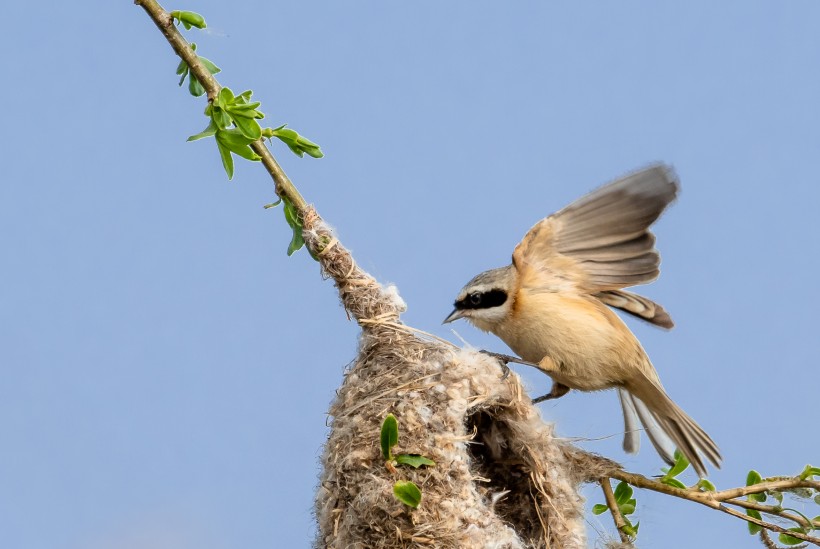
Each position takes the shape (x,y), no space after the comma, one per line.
(505,476)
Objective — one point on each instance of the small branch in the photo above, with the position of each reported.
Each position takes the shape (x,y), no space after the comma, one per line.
(776,485)
(773,510)
(712,499)
(769,525)
(717,500)
(165,23)
(620,523)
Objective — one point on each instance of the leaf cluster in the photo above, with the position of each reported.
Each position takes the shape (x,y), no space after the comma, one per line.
(405,491)
(183,70)
(233,123)
(626,505)
(753,478)
(189,19)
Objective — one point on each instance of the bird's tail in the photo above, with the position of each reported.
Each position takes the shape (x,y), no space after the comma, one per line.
(666,425)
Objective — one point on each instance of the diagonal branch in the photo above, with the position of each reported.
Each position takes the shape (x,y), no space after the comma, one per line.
(620,523)
(165,23)
(362,296)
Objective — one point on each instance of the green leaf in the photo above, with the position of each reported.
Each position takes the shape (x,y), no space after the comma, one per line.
(599,508)
(304,142)
(244,109)
(237,143)
(786,539)
(286,134)
(752,478)
(296,150)
(227,159)
(761,497)
(407,493)
(249,127)
(182,68)
(194,87)
(754,529)
(296,242)
(673,482)
(295,142)
(623,492)
(292,217)
(810,471)
(390,430)
(189,19)
(207,132)
(776,495)
(221,118)
(627,508)
(414,460)
(224,98)
(706,486)
(631,530)
(817,499)
(315,153)
(681,463)
(272,204)
(184,74)
(213,69)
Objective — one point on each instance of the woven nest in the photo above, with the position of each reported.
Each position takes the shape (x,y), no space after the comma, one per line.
(501,479)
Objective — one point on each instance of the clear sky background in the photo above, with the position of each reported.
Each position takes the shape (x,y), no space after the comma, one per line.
(165,368)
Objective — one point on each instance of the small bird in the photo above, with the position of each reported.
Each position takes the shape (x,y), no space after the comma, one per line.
(552,307)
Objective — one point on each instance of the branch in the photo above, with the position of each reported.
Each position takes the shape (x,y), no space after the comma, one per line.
(718,500)
(165,23)
(620,523)
(362,296)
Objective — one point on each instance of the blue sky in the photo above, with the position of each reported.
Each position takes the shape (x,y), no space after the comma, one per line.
(166,368)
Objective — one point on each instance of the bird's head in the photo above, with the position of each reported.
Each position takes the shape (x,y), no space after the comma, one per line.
(486,301)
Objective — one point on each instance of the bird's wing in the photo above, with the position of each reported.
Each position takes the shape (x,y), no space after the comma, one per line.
(600,242)
(637,305)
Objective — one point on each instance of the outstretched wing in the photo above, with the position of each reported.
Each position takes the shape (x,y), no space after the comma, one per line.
(600,242)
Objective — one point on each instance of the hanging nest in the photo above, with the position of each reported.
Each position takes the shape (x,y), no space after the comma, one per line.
(501,478)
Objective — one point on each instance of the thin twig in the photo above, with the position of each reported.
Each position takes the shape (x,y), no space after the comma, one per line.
(718,500)
(773,510)
(776,485)
(769,525)
(712,499)
(620,523)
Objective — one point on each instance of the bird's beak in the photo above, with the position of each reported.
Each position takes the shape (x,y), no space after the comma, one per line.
(455,315)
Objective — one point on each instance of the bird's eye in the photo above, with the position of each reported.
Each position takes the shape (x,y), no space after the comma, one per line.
(475,299)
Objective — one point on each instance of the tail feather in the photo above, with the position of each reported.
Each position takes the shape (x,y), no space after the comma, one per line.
(632,436)
(688,436)
(635,410)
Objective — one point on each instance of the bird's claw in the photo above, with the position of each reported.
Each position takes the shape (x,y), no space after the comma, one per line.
(503,359)
(558,390)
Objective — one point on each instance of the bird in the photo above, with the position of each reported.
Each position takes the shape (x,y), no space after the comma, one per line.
(553,306)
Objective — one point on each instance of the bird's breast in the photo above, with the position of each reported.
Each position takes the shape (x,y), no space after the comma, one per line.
(589,343)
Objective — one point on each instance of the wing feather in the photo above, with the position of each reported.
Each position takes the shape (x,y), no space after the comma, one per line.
(637,305)
(600,242)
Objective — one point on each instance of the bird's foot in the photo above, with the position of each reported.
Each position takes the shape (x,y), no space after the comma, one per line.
(558,390)
(504,359)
